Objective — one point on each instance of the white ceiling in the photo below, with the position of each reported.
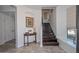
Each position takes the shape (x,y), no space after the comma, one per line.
(41,6)
(9,10)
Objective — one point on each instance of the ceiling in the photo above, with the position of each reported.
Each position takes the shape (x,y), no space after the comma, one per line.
(11,8)
(8,9)
(41,6)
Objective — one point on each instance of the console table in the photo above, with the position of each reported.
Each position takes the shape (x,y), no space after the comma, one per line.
(29,34)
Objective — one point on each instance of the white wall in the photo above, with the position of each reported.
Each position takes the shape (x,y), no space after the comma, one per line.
(46,20)
(6,27)
(61,28)
(71,17)
(61,18)
(22,12)
(52,20)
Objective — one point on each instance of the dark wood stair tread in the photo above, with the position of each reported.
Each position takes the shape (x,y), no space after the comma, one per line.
(49,39)
(51,43)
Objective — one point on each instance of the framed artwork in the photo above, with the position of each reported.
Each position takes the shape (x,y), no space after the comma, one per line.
(29,21)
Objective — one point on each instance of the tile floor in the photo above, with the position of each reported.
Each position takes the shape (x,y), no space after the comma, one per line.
(32,48)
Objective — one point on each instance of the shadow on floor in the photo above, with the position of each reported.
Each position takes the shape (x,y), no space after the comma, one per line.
(7,45)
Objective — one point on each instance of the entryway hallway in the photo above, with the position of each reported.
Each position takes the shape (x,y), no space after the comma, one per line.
(29,19)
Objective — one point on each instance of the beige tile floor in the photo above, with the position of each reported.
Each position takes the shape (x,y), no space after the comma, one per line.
(35,48)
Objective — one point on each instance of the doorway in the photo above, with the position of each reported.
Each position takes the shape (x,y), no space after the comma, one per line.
(49,38)
(7,28)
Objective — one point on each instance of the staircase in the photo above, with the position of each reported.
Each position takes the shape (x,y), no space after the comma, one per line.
(49,39)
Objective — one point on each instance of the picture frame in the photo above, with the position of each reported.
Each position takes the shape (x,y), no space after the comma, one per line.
(29,21)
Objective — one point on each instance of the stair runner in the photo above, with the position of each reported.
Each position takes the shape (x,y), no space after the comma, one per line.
(49,39)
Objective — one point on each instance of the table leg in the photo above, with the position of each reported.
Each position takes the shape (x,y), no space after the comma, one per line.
(27,41)
(35,39)
(24,40)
